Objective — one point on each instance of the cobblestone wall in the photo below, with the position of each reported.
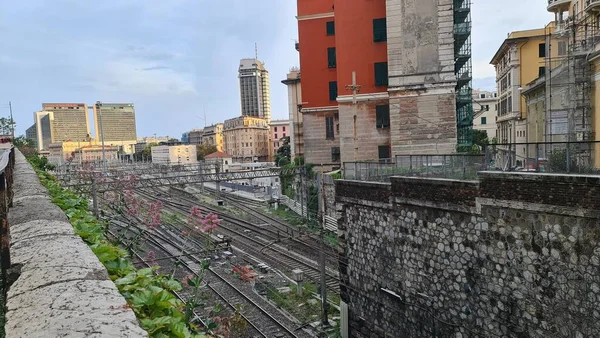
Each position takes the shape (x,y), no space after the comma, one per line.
(494,264)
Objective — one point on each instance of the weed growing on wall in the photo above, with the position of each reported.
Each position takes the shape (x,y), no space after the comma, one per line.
(149,295)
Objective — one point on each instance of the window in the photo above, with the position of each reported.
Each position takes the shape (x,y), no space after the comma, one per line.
(283,128)
(562,47)
(329,128)
(482,96)
(484,120)
(333,91)
(379,30)
(486,107)
(283,134)
(276,137)
(331,57)
(382,116)
(542,50)
(541,71)
(384,152)
(330,27)
(275,130)
(381,74)
(335,154)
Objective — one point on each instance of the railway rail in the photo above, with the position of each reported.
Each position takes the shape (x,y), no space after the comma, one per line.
(261,245)
(256,315)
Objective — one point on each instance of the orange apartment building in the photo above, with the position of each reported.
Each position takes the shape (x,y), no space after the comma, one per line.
(406,78)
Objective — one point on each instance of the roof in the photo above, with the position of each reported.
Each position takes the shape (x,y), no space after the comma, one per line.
(520,36)
(217,154)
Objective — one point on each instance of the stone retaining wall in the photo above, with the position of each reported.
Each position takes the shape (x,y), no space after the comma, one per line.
(515,255)
(62,289)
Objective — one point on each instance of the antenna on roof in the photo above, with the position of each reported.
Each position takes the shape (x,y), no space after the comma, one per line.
(256,51)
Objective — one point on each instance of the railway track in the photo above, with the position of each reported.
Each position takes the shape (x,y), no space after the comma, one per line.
(256,314)
(259,247)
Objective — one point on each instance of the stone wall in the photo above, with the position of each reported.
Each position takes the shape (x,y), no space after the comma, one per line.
(513,255)
(61,288)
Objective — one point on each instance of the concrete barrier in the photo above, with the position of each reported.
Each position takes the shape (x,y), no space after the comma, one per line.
(62,289)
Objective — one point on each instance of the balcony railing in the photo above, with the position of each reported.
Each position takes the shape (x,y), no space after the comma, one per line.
(592,5)
(558,5)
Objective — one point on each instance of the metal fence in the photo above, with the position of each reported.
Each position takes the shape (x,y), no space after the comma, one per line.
(457,166)
(545,157)
(7,165)
(549,157)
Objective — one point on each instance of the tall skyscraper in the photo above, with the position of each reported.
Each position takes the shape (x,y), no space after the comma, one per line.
(68,121)
(116,121)
(255,94)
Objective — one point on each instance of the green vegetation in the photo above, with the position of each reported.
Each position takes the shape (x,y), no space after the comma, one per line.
(149,295)
(203,150)
(306,308)
(286,214)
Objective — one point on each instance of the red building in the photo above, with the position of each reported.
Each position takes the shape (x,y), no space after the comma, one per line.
(332,46)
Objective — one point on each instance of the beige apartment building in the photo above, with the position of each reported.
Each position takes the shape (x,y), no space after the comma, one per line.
(69,121)
(115,122)
(58,122)
(61,152)
(174,155)
(278,130)
(213,136)
(94,153)
(520,60)
(246,139)
(485,112)
(295,116)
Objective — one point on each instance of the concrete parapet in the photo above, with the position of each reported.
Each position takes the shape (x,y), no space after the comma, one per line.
(62,289)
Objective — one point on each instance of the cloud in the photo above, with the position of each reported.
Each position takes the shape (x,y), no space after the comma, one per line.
(156,68)
(129,76)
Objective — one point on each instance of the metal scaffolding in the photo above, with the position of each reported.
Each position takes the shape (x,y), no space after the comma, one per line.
(463,71)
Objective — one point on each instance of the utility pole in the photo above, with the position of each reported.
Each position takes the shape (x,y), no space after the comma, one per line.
(355,88)
(324,317)
(99,110)
(12,122)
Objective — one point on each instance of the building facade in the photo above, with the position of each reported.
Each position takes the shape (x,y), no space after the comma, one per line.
(195,136)
(62,152)
(520,60)
(255,92)
(380,78)
(292,81)
(95,153)
(118,127)
(278,129)
(485,111)
(246,139)
(174,155)
(572,89)
(31,134)
(219,160)
(68,121)
(213,136)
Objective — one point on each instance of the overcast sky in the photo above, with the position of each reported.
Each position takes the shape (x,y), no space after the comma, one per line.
(176,59)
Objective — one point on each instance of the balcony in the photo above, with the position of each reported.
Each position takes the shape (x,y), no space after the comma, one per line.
(558,6)
(592,5)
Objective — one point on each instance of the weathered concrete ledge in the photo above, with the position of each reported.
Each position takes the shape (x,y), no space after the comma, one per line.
(63,290)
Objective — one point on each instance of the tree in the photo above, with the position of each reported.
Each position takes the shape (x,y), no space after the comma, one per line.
(205,149)
(21,141)
(480,141)
(7,125)
(147,152)
(284,153)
